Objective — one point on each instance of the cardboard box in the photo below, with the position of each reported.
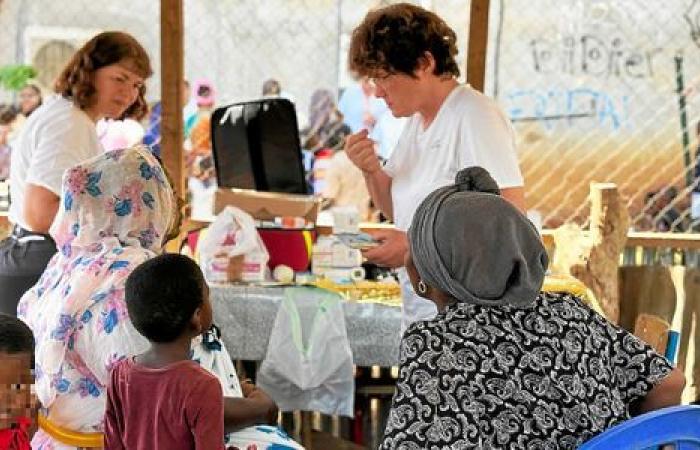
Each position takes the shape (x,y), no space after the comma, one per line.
(268,205)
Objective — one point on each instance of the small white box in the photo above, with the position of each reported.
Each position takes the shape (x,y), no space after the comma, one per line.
(322,255)
(346,219)
(344,256)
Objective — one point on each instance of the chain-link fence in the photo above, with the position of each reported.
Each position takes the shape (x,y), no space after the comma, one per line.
(591,85)
(592,89)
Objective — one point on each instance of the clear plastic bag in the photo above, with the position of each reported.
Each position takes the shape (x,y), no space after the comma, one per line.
(308,365)
(232,248)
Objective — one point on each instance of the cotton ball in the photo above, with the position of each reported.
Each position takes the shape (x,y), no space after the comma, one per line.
(283,274)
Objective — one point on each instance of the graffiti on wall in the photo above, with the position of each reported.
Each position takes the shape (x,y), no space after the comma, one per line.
(570,106)
(592,55)
(595,59)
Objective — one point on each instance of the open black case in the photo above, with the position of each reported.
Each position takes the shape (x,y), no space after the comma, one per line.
(256,146)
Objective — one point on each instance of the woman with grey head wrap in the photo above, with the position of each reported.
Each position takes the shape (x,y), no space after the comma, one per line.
(503,365)
(475,246)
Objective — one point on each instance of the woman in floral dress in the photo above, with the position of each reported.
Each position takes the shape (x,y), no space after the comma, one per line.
(117,210)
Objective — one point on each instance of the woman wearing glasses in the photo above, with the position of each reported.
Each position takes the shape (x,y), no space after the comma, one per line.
(409,55)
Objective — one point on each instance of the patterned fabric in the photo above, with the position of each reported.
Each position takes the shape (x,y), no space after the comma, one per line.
(115,212)
(547,376)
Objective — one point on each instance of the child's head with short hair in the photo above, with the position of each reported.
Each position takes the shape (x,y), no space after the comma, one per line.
(8,114)
(16,362)
(167,298)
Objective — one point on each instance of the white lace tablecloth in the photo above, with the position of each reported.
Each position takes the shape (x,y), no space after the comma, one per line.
(246,314)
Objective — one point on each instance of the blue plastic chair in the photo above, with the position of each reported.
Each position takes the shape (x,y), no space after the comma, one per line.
(677,425)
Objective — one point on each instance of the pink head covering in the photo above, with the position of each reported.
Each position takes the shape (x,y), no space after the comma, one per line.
(204,92)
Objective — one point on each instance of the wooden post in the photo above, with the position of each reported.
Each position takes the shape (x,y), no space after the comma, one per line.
(594,257)
(306,430)
(609,224)
(478,40)
(171,75)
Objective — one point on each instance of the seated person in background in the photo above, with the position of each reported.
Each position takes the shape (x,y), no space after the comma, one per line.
(504,365)
(29,99)
(8,114)
(334,176)
(670,219)
(660,213)
(16,401)
(345,186)
(161,398)
(271,88)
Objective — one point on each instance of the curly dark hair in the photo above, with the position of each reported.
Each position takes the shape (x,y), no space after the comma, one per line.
(394,38)
(162,294)
(76,81)
(15,336)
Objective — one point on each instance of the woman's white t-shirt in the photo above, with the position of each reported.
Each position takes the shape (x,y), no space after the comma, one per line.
(469,130)
(56,136)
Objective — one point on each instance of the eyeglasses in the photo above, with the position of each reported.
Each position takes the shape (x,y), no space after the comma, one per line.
(379,81)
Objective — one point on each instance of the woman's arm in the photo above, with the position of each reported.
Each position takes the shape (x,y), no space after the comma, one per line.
(360,150)
(40,208)
(516,196)
(379,187)
(666,393)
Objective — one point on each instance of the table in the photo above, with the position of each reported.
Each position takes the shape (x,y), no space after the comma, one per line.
(246,314)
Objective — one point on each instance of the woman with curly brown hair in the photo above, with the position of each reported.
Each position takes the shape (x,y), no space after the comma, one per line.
(409,55)
(104,79)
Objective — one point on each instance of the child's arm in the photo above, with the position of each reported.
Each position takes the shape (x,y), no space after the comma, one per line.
(256,408)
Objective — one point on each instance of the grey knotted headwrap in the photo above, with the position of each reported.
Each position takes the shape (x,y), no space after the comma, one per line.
(469,242)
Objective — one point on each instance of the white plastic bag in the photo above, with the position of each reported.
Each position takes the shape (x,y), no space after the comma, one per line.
(232,233)
(308,365)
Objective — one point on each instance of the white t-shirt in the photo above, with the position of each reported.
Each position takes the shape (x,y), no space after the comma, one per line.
(56,136)
(469,130)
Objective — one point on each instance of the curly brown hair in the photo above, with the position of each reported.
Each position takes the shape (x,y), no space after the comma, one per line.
(393,39)
(76,81)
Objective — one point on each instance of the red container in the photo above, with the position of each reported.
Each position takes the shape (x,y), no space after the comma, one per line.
(288,247)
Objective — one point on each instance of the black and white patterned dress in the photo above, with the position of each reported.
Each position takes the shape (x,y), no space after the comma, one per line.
(548,376)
